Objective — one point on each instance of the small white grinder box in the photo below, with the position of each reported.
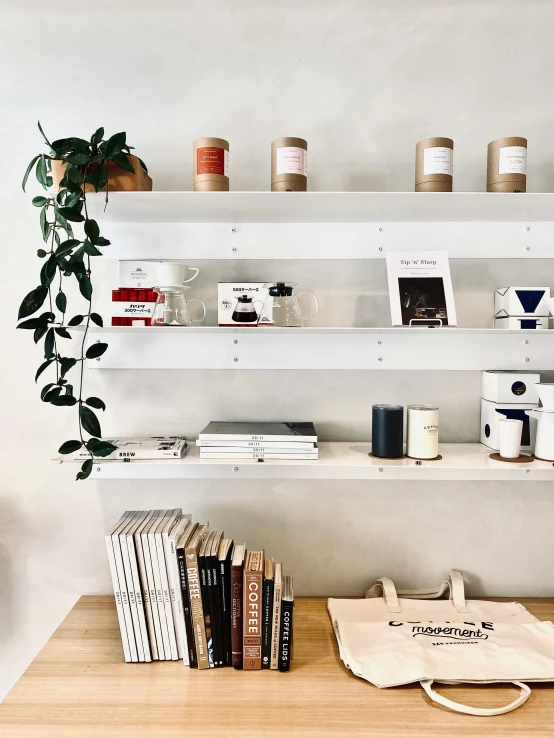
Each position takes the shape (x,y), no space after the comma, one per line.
(521,301)
(514,387)
(492,412)
(228,294)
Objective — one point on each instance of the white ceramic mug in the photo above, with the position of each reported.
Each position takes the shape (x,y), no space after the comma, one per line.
(509,437)
(172,274)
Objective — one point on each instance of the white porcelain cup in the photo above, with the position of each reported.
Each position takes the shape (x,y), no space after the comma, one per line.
(509,437)
(172,274)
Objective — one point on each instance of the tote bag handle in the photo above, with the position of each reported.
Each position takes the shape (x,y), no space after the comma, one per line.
(385,587)
(482,711)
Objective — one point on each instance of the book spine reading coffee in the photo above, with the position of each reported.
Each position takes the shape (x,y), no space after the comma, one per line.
(195,595)
(253,587)
(237,594)
(186,607)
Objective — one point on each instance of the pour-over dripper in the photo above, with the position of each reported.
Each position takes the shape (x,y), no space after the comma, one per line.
(172,307)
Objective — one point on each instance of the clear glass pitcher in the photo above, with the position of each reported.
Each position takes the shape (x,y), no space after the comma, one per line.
(285,308)
(171,307)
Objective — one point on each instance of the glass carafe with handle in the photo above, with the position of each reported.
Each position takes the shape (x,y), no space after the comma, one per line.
(171,307)
(286,311)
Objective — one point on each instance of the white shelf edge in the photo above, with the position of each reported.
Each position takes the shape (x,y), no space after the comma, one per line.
(338,460)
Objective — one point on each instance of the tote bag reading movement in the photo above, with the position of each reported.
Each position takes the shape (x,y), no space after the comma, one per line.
(397,639)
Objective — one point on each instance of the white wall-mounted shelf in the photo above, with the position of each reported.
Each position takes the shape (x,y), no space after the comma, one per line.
(324,225)
(320,207)
(323,348)
(464,461)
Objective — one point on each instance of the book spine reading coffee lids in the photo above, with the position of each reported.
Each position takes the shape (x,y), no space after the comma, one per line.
(285,641)
(253,586)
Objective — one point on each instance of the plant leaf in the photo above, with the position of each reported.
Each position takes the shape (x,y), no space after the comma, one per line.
(42,367)
(39,332)
(69,447)
(89,421)
(66,365)
(114,145)
(103,448)
(76,320)
(102,241)
(123,162)
(28,171)
(41,253)
(49,344)
(48,271)
(40,201)
(90,249)
(64,401)
(85,286)
(98,177)
(71,214)
(44,224)
(61,302)
(96,350)
(34,323)
(32,302)
(97,137)
(85,470)
(63,332)
(42,172)
(92,230)
(44,391)
(49,396)
(97,319)
(96,403)
(66,246)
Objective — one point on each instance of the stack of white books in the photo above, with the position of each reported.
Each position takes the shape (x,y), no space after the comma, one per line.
(261,441)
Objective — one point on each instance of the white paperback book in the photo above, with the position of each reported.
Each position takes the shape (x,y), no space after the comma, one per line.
(257,454)
(144,583)
(123,587)
(133,562)
(258,431)
(161,536)
(131,583)
(117,588)
(420,288)
(156,566)
(170,541)
(155,447)
(265,445)
(149,563)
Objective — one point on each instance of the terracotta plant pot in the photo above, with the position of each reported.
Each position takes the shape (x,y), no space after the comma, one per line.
(119,180)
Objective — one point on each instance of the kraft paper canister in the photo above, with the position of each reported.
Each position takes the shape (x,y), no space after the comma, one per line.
(507,165)
(289,165)
(211,165)
(434,165)
(422,440)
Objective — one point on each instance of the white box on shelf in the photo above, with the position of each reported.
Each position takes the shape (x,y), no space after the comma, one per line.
(243,304)
(138,275)
(507,386)
(531,322)
(491,412)
(521,301)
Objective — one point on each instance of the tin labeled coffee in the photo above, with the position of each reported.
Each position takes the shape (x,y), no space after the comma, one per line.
(422,440)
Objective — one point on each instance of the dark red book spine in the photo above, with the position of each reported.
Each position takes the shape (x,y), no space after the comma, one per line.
(237,574)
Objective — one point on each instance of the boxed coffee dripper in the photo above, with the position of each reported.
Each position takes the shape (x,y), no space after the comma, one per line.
(507,394)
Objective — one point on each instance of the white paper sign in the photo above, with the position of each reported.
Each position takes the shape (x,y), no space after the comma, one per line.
(420,288)
(292,160)
(437,160)
(512,160)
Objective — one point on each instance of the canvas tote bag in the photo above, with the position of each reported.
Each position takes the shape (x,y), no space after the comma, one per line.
(397,639)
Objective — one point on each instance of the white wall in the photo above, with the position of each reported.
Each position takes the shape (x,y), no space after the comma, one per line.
(362,81)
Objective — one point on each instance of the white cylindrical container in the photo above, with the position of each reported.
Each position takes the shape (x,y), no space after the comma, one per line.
(509,437)
(423,432)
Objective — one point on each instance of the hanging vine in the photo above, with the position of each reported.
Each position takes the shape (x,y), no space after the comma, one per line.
(66,256)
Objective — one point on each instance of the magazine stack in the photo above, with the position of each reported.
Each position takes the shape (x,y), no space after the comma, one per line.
(261,441)
(184,591)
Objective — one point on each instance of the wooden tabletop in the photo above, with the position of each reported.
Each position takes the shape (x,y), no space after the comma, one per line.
(79,686)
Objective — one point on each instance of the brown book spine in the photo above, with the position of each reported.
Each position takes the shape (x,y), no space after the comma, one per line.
(237,576)
(197,611)
(253,588)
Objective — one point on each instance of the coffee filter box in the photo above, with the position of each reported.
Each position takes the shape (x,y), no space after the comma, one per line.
(137,274)
(520,302)
(243,304)
(507,394)
(511,387)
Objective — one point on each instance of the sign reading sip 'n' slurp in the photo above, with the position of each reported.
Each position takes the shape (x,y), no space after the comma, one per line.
(420,288)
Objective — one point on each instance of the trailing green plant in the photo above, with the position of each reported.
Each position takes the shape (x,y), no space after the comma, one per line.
(67,255)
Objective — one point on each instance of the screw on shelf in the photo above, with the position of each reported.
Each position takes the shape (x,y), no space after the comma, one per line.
(380,468)
(235,341)
(235,359)
(233,230)
(528,470)
(378,343)
(527,248)
(379,229)
(233,249)
(97,468)
(380,248)
(380,358)
(526,358)
(526,342)
(527,228)
(235,468)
